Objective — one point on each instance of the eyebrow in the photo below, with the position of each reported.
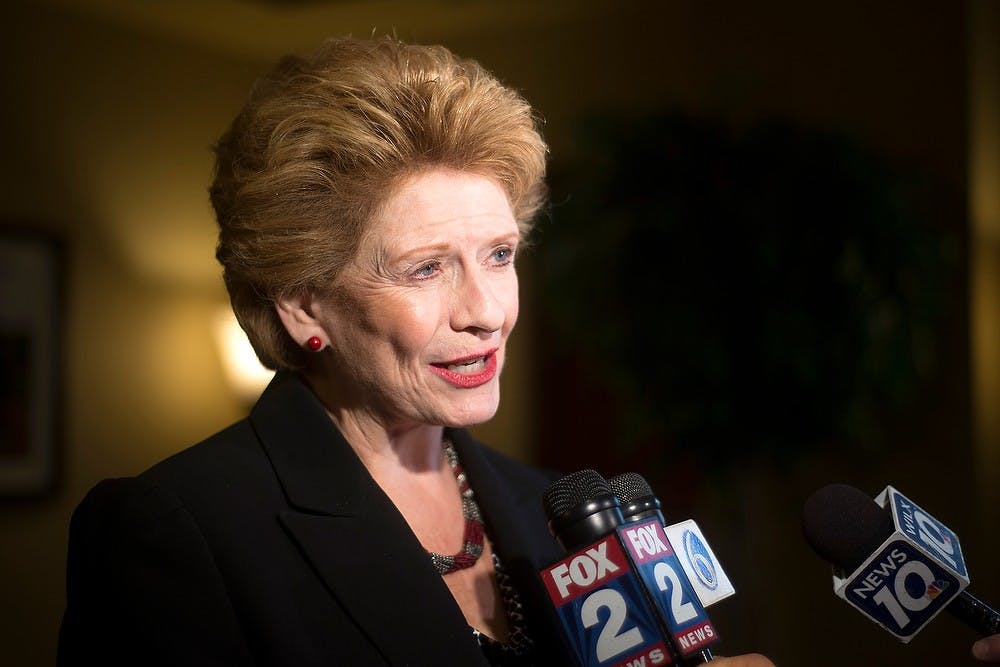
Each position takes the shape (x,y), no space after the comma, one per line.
(511,238)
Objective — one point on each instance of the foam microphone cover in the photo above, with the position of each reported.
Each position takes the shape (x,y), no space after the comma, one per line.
(844,525)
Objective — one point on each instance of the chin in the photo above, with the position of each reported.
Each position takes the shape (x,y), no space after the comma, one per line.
(474,412)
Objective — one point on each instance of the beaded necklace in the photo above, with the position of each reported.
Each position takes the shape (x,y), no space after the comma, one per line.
(472,547)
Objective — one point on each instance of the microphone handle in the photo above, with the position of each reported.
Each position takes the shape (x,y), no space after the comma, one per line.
(975,613)
(704,655)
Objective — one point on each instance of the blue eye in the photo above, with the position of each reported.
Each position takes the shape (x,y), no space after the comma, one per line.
(427,270)
(503,256)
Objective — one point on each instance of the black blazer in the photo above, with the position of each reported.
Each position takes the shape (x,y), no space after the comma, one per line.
(270,544)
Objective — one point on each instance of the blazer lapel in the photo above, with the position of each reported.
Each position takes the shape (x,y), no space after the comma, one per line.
(388,587)
(355,539)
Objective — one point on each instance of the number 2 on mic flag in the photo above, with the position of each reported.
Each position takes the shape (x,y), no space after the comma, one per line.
(672,593)
(602,608)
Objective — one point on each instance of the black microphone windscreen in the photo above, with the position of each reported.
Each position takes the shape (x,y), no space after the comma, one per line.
(630,485)
(581,508)
(844,525)
(570,491)
(637,499)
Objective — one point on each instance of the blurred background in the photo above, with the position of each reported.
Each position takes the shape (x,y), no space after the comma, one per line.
(772,261)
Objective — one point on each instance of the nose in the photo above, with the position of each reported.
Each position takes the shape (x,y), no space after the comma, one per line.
(475,305)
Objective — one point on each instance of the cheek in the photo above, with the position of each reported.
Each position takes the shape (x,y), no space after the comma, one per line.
(511,303)
(409,324)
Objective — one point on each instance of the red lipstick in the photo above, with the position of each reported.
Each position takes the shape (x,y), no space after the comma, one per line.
(486,365)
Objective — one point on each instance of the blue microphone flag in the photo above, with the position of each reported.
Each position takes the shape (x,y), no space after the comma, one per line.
(912,576)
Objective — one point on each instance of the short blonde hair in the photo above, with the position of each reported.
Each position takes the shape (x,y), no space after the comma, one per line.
(321,144)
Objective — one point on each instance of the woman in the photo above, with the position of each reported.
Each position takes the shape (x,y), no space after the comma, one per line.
(371,198)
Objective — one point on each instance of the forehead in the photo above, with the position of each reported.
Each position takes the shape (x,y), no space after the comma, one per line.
(441,201)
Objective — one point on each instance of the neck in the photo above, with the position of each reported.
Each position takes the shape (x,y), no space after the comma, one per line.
(414,450)
(383,446)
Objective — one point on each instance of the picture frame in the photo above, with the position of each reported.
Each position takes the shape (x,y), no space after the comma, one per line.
(31,339)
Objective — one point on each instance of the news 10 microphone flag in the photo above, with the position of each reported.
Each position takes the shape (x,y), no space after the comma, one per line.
(908,580)
(603,609)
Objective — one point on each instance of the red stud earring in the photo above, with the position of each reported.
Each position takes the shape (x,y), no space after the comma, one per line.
(314,343)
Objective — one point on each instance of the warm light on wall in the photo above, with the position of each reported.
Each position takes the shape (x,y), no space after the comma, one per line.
(984,251)
(243,371)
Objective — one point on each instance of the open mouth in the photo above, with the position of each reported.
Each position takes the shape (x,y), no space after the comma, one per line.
(469,371)
(467,367)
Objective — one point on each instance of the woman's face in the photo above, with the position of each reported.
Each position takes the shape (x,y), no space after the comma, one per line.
(419,321)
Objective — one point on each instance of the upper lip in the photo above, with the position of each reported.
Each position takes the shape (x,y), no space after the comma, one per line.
(465,359)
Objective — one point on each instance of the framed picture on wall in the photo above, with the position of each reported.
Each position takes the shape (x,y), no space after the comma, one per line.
(31,324)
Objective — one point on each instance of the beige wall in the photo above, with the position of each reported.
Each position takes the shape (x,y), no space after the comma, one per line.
(984,243)
(106,139)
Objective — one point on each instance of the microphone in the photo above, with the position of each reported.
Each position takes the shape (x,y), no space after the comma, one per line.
(702,568)
(582,507)
(636,497)
(600,602)
(667,583)
(892,561)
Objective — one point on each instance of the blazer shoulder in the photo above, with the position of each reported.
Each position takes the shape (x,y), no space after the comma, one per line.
(142,581)
(236,441)
(230,455)
(120,504)
(226,475)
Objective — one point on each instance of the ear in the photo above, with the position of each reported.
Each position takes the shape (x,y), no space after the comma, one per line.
(297,316)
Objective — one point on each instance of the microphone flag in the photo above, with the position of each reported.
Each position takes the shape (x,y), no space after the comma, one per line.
(912,576)
(700,564)
(672,594)
(603,609)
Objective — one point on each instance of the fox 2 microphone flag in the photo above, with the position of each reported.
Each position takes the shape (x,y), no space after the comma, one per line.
(703,570)
(675,599)
(621,595)
(606,617)
(602,608)
(662,567)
